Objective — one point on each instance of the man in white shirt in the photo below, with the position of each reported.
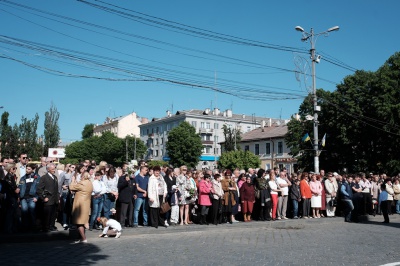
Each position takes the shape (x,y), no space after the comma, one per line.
(284,184)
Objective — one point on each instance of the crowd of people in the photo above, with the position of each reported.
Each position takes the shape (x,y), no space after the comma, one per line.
(91,196)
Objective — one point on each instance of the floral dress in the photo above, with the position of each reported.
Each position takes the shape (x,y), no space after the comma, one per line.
(181,184)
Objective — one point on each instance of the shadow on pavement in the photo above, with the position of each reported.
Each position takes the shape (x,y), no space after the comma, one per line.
(391,224)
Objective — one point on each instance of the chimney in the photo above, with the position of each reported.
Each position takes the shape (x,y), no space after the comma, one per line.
(207,111)
(262,125)
(144,120)
(243,116)
(168,113)
(269,122)
(216,111)
(229,113)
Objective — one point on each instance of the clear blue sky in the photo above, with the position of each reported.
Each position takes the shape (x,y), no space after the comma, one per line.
(368,35)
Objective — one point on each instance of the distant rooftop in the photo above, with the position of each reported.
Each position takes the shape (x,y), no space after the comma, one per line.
(218,113)
(274,131)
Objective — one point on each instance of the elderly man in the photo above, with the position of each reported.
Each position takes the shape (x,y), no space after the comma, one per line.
(47,190)
(43,169)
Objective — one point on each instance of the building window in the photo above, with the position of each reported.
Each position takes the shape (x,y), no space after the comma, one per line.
(246,148)
(280,147)
(208,125)
(147,131)
(156,141)
(215,125)
(257,149)
(168,127)
(216,150)
(194,123)
(157,129)
(152,131)
(156,153)
(268,148)
(161,153)
(162,140)
(207,149)
(216,139)
(203,125)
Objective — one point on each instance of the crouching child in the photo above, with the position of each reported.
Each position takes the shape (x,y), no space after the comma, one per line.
(112,228)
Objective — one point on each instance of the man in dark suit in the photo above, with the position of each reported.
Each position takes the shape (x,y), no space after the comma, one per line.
(47,191)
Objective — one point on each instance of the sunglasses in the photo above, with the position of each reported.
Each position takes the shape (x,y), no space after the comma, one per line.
(24,158)
(14,168)
(50,161)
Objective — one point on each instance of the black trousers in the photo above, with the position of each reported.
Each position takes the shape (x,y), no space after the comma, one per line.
(366,204)
(155,215)
(216,208)
(49,216)
(264,211)
(385,209)
(306,207)
(126,213)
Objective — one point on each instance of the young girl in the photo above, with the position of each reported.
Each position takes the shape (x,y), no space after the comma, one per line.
(110,224)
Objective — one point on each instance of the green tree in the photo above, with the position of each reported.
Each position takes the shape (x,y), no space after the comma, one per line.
(184,145)
(360,118)
(5,135)
(239,159)
(157,163)
(51,128)
(87,131)
(29,138)
(232,136)
(136,147)
(107,147)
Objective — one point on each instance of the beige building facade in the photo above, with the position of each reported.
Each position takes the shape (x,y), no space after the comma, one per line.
(121,127)
(268,143)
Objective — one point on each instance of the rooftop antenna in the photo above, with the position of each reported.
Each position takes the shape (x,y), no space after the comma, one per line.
(280,115)
(172,108)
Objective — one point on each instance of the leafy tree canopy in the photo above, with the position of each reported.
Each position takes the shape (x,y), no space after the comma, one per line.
(184,145)
(239,159)
(87,131)
(361,120)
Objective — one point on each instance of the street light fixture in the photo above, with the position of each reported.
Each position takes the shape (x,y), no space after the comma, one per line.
(312,37)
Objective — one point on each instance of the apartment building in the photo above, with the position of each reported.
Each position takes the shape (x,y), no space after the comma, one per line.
(208,124)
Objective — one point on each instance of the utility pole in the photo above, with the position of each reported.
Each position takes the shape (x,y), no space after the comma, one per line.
(134,152)
(312,37)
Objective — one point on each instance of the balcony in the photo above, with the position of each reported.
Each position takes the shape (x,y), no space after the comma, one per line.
(151,135)
(208,142)
(205,130)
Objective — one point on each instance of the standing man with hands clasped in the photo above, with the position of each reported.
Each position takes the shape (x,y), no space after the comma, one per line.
(142,181)
(47,191)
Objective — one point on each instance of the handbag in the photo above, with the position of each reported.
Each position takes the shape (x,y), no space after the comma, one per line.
(211,196)
(111,197)
(333,202)
(165,207)
(279,192)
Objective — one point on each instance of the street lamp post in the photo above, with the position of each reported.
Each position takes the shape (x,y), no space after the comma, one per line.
(312,37)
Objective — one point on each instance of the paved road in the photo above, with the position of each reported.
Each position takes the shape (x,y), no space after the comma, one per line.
(292,242)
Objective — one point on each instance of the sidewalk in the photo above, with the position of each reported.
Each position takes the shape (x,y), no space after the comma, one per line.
(298,224)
